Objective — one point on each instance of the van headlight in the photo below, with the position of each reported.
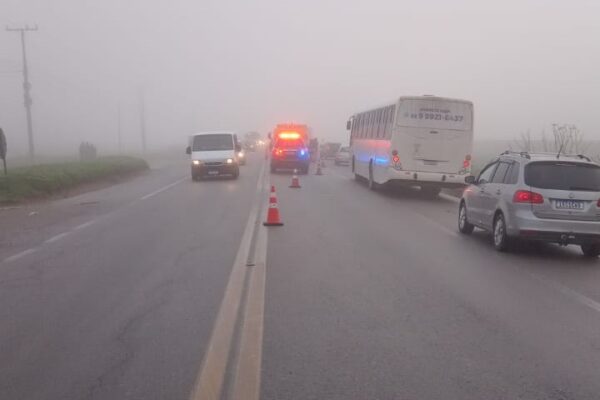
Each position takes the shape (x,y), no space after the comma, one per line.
(196,162)
(241,154)
(230,161)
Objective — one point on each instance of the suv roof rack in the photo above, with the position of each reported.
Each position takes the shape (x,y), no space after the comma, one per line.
(523,154)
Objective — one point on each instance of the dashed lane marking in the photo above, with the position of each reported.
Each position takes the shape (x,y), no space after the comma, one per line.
(149,195)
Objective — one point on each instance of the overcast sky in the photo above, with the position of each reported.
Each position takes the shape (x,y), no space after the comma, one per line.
(247,65)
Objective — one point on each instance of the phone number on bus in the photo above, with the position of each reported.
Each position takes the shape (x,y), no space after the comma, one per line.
(435,116)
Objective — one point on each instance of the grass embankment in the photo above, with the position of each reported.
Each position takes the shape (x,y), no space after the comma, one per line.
(44,180)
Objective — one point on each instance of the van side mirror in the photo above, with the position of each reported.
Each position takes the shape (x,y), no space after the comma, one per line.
(470,180)
(188,150)
(238,147)
(348,125)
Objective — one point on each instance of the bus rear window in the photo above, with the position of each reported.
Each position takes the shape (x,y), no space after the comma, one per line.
(563,176)
(435,114)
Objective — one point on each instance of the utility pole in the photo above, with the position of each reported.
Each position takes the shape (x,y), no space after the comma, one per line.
(26,86)
(142,119)
(119,127)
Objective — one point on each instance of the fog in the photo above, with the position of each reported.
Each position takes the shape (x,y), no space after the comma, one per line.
(247,65)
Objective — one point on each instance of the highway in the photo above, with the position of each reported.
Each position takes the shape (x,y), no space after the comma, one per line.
(165,288)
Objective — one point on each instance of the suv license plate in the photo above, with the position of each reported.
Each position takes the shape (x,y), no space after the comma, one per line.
(213,172)
(569,204)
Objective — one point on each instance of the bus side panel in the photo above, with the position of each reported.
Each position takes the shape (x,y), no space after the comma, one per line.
(377,152)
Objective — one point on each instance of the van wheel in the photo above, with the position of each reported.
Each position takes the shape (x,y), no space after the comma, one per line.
(463,223)
(501,239)
(591,250)
(372,183)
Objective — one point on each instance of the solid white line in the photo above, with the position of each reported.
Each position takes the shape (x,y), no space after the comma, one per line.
(57,237)
(210,379)
(163,189)
(449,197)
(84,225)
(572,294)
(19,255)
(247,372)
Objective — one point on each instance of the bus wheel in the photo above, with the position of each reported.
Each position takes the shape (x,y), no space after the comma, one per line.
(372,183)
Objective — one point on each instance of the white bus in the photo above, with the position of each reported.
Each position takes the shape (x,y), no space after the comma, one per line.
(423,141)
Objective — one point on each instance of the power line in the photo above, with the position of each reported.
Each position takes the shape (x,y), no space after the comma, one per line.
(26,86)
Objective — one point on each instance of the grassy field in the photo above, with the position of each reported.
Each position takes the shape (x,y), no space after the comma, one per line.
(43,180)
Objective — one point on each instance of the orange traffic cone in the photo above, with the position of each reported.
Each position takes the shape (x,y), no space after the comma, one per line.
(319,172)
(273,212)
(295,181)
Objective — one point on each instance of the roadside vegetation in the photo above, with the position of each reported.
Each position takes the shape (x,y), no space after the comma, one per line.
(44,180)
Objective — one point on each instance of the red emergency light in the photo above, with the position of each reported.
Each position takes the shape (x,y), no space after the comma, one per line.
(288,135)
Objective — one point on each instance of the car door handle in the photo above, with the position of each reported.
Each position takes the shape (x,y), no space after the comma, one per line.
(498,191)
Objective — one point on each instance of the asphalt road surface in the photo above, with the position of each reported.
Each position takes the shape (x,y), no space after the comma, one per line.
(164,288)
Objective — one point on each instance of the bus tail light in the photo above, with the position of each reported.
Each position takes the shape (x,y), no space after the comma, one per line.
(467,161)
(525,196)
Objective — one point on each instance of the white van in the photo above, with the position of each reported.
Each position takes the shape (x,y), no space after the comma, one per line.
(214,154)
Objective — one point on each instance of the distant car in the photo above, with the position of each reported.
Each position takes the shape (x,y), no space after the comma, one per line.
(214,154)
(241,156)
(290,152)
(540,197)
(343,156)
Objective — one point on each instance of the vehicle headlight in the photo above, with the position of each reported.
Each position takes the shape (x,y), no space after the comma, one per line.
(230,161)
(196,162)
(241,154)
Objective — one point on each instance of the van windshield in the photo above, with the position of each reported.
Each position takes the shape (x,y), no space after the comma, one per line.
(563,176)
(212,142)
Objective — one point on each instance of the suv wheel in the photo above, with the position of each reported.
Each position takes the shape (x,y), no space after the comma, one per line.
(463,223)
(501,239)
(591,250)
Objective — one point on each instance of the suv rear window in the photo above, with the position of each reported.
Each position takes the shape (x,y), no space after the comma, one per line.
(559,175)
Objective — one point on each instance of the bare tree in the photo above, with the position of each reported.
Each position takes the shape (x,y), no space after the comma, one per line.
(566,139)
(525,142)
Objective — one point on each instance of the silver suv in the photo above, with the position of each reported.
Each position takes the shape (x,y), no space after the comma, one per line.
(544,197)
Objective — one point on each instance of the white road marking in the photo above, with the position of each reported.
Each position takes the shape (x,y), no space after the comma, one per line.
(246,385)
(209,382)
(568,292)
(56,238)
(450,197)
(20,255)
(84,225)
(163,189)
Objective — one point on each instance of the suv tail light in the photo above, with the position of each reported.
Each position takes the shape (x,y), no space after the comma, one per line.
(598,204)
(525,196)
